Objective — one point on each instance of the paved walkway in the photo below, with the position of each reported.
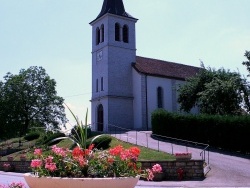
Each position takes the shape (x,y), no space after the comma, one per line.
(227,171)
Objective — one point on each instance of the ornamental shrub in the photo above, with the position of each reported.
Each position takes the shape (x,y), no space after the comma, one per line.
(101,142)
(32,136)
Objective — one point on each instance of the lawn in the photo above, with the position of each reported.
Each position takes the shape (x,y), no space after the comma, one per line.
(146,153)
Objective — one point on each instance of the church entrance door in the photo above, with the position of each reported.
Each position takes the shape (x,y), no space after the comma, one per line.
(100,118)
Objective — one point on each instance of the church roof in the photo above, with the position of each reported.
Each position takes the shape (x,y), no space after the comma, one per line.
(159,68)
(113,7)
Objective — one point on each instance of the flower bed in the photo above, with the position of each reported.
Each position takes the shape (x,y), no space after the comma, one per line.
(183,156)
(79,163)
(84,167)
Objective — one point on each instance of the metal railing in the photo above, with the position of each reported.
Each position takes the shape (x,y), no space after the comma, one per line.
(159,142)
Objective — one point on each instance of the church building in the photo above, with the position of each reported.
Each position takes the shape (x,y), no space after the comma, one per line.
(126,88)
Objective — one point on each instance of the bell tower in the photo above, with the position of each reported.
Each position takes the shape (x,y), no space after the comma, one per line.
(113,51)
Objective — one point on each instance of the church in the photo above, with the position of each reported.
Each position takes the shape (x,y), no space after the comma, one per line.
(126,88)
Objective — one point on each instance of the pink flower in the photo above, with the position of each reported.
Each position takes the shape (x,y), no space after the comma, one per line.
(156,168)
(81,160)
(51,166)
(6,165)
(181,154)
(59,151)
(16,185)
(49,159)
(150,174)
(38,152)
(125,154)
(36,163)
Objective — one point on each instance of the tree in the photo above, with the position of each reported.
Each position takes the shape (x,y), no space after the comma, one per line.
(3,114)
(30,98)
(215,92)
(247,63)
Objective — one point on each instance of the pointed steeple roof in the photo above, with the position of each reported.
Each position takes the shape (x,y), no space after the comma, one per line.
(115,7)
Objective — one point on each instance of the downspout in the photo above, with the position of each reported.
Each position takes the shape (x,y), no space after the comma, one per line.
(146,87)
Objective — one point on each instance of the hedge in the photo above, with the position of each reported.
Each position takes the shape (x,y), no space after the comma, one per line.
(226,132)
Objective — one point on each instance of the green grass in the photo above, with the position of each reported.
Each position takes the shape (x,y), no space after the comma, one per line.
(65,143)
(146,153)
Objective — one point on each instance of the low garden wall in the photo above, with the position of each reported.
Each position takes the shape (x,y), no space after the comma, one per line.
(179,170)
(172,170)
(15,166)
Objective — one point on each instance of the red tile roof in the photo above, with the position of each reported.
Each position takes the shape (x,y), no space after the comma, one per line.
(159,68)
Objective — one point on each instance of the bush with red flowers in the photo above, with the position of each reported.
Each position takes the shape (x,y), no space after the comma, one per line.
(60,162)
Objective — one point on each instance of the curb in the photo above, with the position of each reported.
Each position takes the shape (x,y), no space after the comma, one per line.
(11,174)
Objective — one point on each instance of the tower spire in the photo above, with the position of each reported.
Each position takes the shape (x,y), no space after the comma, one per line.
(115,7)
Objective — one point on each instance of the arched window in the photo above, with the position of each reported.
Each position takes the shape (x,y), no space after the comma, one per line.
(125,33)
(117,32)
(102,32)
(100,118)
(159,97)
(97,35)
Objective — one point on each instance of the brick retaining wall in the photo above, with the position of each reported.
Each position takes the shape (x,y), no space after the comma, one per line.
(192,169)
(17,166)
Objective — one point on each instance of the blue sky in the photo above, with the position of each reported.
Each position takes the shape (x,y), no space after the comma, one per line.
(56,35)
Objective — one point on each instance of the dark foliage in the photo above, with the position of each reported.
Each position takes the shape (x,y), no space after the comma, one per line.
(247,63)
(102,142)
(215,92)
(227,132)
(29,99)
(32,136)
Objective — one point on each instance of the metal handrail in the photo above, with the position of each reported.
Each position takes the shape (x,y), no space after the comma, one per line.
(204,155)
(186,142)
